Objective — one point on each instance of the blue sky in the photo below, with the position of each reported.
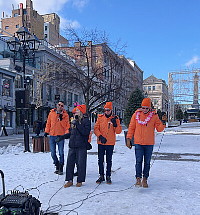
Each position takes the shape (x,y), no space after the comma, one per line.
(161,35)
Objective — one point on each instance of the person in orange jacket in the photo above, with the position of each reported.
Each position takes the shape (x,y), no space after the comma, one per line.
(57,125)
(106,128)
(142,127)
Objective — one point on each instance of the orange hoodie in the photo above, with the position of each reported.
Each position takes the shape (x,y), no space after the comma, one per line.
(104,127)
(55,126)
(144,134)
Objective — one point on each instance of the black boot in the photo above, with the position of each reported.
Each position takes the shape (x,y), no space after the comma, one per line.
(57,168)
(60,172)
(108,180)
(100,179)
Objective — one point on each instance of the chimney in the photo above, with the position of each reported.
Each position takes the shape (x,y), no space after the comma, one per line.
(90,43)
(77,44)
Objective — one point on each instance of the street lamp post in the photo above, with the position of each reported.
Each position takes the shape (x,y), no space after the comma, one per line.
(24,43)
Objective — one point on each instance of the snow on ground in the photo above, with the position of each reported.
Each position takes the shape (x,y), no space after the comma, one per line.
(174,185)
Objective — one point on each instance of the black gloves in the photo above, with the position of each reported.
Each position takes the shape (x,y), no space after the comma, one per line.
(164,118)
(62,137)
(114,122)
(74,122)
(60,117)
(45,134)
(102,139)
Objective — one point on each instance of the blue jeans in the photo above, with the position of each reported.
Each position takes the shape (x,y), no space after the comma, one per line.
(143,151)
(102,150)
(60,144)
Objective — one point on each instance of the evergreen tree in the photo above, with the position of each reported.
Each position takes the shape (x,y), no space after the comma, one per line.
(134,102)
(159,113)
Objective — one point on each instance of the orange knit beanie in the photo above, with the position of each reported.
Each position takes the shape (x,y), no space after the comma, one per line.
(108,105)
(146,102)
(82,108)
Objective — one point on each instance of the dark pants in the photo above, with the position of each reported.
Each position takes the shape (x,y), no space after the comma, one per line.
(78,156)
(143,151)
(102,150)
(60,144)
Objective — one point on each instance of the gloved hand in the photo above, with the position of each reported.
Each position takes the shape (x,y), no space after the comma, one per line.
(60,117)
(128,143)
(45,134)
(62,137)
(164,119)
(114,122)
(76,117)
(102,139)
(74,122)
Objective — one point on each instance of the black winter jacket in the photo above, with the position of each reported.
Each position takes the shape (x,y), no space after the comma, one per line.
(80,133)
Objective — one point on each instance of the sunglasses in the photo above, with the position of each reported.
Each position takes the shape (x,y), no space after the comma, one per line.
(106,110)
(60,105)
(145,108)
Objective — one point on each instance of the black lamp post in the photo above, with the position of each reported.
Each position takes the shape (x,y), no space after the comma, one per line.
(24,43)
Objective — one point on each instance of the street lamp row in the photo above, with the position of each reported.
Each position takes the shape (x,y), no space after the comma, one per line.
(24,42)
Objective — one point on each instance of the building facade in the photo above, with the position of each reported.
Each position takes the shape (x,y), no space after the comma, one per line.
(113,71)
(157,90)
(45,26)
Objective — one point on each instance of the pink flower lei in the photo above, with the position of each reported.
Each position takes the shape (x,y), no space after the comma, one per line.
(146,120)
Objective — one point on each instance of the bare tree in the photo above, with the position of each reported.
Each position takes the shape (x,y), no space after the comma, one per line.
(95,69)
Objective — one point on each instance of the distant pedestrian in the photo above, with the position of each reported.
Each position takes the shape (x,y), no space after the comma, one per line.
(106,128)
(57,125)
(142,127)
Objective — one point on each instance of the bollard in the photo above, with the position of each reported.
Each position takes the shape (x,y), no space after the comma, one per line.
(26,137)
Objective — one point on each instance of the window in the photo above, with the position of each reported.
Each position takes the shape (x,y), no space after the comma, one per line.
(7,119)
(7,27)
(16,14)
(154,87)
(6,87)
(75,98)
(17,26)
(49,93)
(45,28)
(149,87)
(70,99)
(65,97)
(45,35)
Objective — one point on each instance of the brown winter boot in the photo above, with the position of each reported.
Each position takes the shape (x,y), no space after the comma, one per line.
(79,184)
(144,182)
(138,182)
(68,184)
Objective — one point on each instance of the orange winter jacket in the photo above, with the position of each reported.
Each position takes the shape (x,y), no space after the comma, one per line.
(55,126)
(144,134)
(104,127)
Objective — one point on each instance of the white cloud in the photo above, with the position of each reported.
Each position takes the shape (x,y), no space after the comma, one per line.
(79,3)
(193,60)
(68,23)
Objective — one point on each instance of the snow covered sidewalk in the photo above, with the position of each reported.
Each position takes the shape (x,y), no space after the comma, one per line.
(174,185)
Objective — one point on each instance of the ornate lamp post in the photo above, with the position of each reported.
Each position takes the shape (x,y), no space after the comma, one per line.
(24,43)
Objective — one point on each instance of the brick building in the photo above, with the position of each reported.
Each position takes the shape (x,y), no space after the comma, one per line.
(43,26)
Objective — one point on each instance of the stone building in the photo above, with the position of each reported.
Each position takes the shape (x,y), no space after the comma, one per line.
(157,90)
